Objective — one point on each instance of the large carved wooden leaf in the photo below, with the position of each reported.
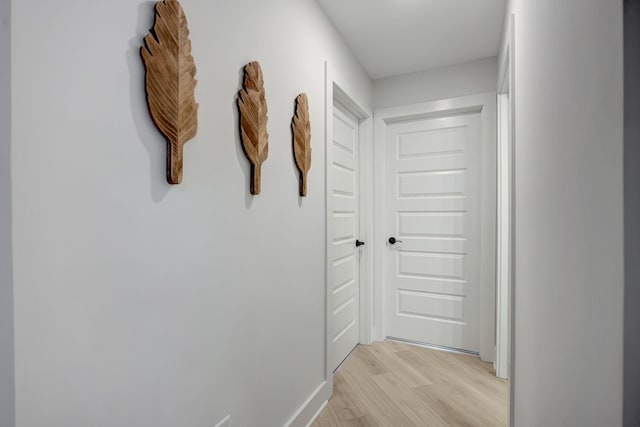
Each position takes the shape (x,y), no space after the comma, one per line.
(252,105)
(170,82)
(301,127)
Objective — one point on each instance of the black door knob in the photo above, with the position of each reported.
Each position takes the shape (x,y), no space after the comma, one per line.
(393,240)
(359,243)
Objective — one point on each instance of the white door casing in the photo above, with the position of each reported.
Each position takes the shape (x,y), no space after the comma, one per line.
(484,107)
(344,289)
(433,209)
(505,248)
(503,238)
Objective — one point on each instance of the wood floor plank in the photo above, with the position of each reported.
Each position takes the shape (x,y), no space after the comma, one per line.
(392,384)
(431,370)
(446,408)
(346,401)
(327,418)
(416,409)
(366,363)
(461,406)
(469,372)
(397,345)
(384,410)
(365,421)
(399,367)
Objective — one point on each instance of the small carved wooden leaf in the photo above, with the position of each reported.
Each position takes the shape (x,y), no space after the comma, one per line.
(301,127)
(252,105)
(170,82)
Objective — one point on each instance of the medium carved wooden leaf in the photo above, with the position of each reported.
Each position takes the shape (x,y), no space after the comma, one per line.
(171,83)
(252,105)
(301,127)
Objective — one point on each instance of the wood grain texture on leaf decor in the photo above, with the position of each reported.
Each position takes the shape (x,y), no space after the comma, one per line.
(252,105)
(171,83)
(301,127)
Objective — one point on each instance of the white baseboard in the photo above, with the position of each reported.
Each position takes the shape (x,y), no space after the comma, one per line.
(317,414)
(225,423)
(311,408)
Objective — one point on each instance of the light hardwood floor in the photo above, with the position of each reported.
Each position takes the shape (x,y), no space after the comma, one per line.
(391,384)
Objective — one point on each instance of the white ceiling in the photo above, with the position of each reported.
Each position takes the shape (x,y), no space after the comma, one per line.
(392,37)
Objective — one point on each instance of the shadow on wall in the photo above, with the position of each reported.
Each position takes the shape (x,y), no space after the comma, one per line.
(152,140)
(241,155)
(7,390)
(632,212)
(242,158)
(296,171)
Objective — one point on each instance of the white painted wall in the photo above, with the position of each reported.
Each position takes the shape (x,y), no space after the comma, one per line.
(468,78)
(138,303)
(569,213)
(632,213)
(6,275)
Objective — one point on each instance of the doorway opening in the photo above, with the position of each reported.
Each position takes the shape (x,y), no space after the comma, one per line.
(437,218)
(452,181)
(348,226)
(436,170)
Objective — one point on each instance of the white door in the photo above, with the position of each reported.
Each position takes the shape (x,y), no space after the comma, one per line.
(344,295)
(433,212)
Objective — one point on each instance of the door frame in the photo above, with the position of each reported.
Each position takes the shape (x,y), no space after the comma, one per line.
(503,236)
(337,92)
(485,105)
(507,83)
(505,241)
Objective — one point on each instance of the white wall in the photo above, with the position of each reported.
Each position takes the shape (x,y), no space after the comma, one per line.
(632,213)
(138,303)
(468,78)
(6,275)
(569,213)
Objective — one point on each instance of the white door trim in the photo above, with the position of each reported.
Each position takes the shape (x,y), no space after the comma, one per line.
(507,83)
(338,92)
(503,238)
(505,197)
(485,104)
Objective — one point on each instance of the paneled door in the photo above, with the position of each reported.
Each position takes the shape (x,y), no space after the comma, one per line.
(433,231)
(344,292)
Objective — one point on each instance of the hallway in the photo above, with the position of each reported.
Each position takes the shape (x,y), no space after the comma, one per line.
(394,384)
(129,301)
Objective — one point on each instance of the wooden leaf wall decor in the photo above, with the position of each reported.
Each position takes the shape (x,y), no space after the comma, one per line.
(252,105)
(302,140)
(170,82)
